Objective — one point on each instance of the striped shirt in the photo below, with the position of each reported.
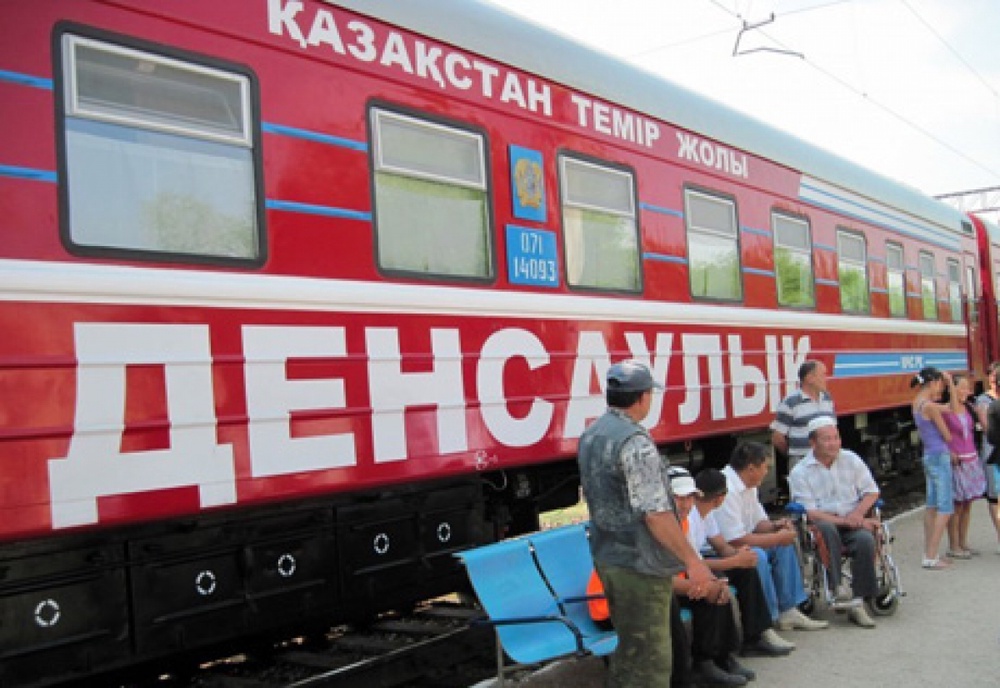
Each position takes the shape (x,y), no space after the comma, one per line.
(793,416)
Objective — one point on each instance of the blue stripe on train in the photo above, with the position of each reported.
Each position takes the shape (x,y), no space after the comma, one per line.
(896,362)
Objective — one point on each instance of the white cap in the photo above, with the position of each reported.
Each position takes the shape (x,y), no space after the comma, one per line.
(821,422)
(683,485)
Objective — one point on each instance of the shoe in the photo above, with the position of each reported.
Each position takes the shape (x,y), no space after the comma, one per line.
(734,667)
(935,564)
(792,618)
(859,617)
(765,648)
(844,593)
(959,554)
(973,551)
(775,640)
(707,672)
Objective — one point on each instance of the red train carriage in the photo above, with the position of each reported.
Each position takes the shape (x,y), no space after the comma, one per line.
(986,315)
(298,298)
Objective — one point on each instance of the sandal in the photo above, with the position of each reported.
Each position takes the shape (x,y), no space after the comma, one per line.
(973,551)
(959,554)
(935,565)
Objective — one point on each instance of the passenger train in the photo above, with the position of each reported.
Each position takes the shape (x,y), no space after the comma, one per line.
(300,298)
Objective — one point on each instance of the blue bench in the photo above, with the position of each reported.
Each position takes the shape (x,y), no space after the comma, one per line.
(534,591)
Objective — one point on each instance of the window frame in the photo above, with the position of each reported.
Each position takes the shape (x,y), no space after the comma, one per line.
(924,278)
(64,59)
(603,165)
(844,232)
(376,107)
(972,298)
(954,268)
(901,271)
(804,221)
(688,191)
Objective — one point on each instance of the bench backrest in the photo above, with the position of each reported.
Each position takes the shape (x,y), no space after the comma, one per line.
(517,599)
(564,557)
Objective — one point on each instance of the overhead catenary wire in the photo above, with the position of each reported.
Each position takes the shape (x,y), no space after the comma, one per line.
(951,49)
(861,93)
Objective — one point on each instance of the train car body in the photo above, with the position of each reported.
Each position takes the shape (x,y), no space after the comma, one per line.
(298,298)
(987,316)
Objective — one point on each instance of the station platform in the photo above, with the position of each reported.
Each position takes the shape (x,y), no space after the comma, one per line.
(945,632)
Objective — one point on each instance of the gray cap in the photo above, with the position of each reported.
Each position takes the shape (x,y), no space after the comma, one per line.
(631,376)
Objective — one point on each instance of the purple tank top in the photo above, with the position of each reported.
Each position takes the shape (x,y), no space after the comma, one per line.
(929,434)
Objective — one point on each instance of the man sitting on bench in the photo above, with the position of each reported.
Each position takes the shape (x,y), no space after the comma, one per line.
(715,636)
(742,565)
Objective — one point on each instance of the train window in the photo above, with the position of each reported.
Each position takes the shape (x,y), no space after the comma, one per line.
(928,290)
(896,279)
(431,198)
(159,154)
(713,246)
(793,260)
(955,290)
(852,271)
(970,290)
(599,225)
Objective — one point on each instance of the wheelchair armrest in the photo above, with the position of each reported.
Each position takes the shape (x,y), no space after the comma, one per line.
(795,509)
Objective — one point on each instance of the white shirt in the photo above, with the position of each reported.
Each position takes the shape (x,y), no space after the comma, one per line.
(701,529)
(741,511)
(835,490)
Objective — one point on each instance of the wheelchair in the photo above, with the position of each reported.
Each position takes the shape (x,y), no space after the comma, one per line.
(815,561)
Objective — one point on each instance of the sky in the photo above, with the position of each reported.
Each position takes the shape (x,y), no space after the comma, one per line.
(907,88)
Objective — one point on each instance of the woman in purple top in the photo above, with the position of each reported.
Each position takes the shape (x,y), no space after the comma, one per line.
(928,414)
(968,480)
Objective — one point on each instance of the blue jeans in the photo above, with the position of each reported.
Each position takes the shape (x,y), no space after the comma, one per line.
(786,576)
(937,471)
(767,582)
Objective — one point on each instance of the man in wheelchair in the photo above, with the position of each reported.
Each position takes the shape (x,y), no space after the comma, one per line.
(838,492)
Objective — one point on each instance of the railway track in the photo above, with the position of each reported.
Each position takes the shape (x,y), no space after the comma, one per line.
(433,645)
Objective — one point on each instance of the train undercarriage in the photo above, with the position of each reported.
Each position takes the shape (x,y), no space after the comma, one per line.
(84,604)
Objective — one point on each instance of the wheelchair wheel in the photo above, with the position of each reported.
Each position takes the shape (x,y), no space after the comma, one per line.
(885,602)
(813,577)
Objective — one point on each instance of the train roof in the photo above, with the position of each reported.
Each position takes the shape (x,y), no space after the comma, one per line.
(495,33)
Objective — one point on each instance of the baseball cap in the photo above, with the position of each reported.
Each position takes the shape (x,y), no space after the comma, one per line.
(631,376)
(820,422)
(681,482)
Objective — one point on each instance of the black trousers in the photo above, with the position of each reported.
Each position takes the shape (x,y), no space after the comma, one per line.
(754,613)
(680,643)
(714,634)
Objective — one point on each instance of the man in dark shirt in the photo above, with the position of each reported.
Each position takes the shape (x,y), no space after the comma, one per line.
(636,539)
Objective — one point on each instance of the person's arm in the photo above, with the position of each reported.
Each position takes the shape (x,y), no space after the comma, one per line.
(766,534)
(779,441)
(665,527)
(934,413)
(780,426)
(715,591)
(730,557)
(955,405)
(858,518)
(981,414)
(802,493)
(993,424)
